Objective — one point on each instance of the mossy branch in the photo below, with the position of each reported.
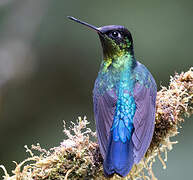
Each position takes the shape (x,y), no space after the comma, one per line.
(78,157)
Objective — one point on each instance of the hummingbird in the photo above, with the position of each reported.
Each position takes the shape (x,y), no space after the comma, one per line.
(124,99)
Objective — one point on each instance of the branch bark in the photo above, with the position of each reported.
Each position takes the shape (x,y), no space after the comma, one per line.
(78,157)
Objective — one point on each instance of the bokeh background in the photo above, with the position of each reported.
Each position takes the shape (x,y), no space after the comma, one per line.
(48,65)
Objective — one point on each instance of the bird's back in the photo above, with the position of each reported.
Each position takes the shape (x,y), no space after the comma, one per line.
(115,105)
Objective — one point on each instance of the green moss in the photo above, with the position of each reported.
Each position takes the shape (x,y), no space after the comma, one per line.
(79,158)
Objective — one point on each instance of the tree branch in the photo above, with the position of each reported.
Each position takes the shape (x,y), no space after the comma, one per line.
(78,157)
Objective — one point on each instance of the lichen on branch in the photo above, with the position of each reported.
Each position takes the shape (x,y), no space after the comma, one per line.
(78,157)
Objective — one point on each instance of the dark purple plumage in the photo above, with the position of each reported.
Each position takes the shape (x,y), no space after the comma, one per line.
(143,120)
(104,109)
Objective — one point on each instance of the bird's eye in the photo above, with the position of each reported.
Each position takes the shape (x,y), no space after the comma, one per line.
(115,34)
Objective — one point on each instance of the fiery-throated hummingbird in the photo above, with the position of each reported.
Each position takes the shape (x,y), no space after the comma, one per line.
(124,98)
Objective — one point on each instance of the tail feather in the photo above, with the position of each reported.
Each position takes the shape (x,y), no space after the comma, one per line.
(119,158)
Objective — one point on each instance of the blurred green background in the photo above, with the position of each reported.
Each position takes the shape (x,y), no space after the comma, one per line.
(48,65)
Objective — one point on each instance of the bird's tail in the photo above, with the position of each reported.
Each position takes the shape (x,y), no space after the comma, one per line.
(119,158)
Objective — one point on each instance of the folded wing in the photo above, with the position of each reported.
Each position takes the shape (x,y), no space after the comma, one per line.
(104,109)
(144,118)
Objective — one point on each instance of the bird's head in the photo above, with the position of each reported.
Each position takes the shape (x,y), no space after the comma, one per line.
(116,40)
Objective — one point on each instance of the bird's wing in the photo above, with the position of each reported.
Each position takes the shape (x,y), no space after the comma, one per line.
(104,109)
(144,118)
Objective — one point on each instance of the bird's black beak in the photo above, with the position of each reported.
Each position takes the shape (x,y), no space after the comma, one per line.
(86,24)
